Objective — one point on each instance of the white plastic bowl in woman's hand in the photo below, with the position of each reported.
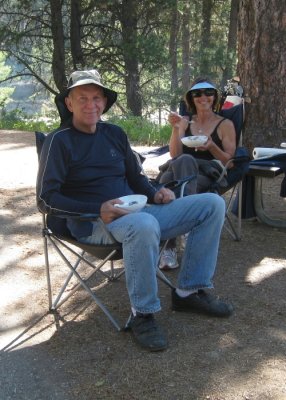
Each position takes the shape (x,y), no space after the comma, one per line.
(194,141)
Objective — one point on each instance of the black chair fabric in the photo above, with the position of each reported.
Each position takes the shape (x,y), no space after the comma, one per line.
(57,223)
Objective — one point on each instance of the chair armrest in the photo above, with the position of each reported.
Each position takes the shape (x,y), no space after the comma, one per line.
(179,184)
(80,217)
(85,217)
(241,157)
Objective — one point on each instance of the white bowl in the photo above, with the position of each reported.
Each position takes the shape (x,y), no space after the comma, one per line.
(194,141)
(132,203)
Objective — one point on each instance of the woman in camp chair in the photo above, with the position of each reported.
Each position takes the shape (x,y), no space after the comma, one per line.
(210,142)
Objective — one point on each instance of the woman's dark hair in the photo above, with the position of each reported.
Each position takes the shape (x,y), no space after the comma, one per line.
(189,99)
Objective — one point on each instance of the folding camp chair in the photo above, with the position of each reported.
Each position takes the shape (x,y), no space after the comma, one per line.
(76,256)
(56,234)
(231,106)
(233,175)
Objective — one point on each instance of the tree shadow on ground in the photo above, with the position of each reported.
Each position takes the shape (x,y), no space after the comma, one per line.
(240,357)
(78,354)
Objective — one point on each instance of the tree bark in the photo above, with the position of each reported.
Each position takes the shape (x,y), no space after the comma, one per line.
(262,69)
(231,42)
(206,33)
(186,48)
(58,58)
(75,35)
(129,20)
(173,52)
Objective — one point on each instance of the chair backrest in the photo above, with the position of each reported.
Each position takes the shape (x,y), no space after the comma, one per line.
(63,111)
(40,138)
(57,225)
(236,115)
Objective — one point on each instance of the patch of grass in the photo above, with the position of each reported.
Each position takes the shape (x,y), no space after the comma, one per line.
(142,131)
(139,130)
(17,120)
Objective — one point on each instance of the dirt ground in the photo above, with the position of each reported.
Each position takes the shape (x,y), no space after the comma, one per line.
(76,354)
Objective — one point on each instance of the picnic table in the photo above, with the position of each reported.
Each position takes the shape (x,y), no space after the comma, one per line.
(259,173)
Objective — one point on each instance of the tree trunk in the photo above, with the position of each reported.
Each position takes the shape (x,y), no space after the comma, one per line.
(262,69)
(75,35)
(206,34)
(129,20)
(173,52)
(186,48)
(58,59)
(231,42)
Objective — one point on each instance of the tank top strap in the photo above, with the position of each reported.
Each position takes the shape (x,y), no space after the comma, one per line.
(218,124)
(214,135)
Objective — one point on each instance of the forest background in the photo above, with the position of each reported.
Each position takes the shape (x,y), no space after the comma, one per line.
(148,51)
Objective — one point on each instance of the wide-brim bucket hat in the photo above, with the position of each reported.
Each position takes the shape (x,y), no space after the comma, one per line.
(80,78)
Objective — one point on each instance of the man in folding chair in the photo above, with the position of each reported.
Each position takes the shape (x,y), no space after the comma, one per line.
(85,166)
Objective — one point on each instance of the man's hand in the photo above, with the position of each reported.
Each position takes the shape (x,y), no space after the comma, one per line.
(109,213)
(164,196)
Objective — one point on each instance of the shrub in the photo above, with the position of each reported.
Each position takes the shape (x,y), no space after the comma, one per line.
(142,131)
(16,119)
(139,130)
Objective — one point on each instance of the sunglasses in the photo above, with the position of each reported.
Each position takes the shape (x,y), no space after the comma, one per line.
(199,92)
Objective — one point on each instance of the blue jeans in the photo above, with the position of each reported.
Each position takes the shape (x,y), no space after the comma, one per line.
(200,215)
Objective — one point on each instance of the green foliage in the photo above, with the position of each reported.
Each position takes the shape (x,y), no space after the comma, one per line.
(5,95)
(139,130)
(26,40)
(4,69)
(17,120)
(142,131)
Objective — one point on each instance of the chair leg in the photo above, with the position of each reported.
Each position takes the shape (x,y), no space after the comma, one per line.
(235,232)
(81,282)
(159,273)
(114,276)
(231,229)
(95,298)
(163,278)
(47,267)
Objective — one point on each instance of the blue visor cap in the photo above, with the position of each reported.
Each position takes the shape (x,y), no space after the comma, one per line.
(202,85)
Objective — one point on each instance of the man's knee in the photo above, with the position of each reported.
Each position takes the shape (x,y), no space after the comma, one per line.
(145,225)
(214,201)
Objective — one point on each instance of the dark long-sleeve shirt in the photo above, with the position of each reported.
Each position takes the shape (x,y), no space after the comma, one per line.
(80,171)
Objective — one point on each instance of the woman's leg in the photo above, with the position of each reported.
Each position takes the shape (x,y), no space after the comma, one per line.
(179,168)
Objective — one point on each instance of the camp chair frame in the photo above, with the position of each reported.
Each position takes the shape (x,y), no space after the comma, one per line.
(104,254)
(231,106)
(65,246)
(108,253)
(240,160)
